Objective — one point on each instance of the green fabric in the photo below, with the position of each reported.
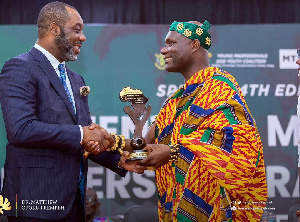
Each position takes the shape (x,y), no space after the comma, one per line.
(180,178)
(206,135)
(193,31)
(257,161)
(224,79)
(178,94)
(183,218)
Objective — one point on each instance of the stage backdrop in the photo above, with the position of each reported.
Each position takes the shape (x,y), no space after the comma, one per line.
(261,57)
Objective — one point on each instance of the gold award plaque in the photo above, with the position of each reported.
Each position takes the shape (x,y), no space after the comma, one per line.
(139,113)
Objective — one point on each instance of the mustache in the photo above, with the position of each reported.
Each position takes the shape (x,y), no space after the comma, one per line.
(78,43)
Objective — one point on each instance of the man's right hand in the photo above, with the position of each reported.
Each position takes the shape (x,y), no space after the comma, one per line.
(95,141)
(109,138)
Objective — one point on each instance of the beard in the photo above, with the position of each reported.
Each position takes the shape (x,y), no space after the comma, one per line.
(64,47)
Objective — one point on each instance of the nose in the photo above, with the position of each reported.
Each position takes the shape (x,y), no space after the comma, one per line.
(164,50)
(82,37)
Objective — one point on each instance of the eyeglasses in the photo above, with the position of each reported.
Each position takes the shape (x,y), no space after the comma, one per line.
(90,200)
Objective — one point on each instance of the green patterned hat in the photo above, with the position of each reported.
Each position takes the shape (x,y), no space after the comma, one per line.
(193,31)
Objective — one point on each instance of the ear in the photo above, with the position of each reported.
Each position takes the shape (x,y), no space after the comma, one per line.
(195,45)
(54,29)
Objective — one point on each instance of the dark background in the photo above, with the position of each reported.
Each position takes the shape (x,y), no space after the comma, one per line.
(161,11)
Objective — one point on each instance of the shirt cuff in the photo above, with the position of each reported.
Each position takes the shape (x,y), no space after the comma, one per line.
(81,133)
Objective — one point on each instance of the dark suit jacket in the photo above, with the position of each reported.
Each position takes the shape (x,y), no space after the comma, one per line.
(43,151)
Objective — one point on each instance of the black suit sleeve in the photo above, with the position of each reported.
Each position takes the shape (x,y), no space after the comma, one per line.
(109,160)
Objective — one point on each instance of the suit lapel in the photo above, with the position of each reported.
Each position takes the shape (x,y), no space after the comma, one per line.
(47,68)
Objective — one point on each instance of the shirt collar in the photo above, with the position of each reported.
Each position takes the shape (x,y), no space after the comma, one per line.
(54,62)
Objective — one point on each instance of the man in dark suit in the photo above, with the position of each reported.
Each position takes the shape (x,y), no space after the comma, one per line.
(47,120)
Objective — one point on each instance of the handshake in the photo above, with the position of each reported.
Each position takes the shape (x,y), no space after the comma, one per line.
(96,139)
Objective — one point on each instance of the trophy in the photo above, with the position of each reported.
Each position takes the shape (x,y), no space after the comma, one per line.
(139,114)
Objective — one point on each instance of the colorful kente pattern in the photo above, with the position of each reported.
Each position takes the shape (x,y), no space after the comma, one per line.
(220,173)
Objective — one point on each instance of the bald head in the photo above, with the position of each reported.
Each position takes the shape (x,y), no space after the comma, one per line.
(92,203)
(90,192)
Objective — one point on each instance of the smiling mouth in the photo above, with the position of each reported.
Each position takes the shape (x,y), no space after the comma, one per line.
(168,59)
(77,47)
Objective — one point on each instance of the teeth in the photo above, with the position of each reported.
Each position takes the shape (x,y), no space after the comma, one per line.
(167,59)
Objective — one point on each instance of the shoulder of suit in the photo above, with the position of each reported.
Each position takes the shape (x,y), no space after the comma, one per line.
(24,56)
(23,59)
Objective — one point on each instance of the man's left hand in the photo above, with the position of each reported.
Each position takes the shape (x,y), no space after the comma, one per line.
(132,165)
(159,154)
